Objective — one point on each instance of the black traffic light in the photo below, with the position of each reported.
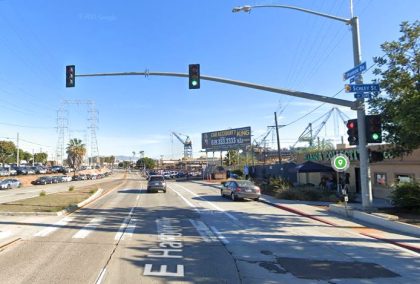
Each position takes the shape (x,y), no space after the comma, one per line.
(375,156)
(194,76)
(373,129)
(352,131)
(70,76)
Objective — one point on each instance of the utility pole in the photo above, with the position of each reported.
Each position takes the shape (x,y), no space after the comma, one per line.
(278,137)
(17,152)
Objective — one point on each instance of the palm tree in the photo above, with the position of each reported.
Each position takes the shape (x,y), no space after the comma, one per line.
(76,150)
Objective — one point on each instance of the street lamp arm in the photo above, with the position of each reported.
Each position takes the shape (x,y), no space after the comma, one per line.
(248,9)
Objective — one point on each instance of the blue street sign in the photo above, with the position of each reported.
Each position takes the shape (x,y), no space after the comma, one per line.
(363,95)
(354,71)
(361,88)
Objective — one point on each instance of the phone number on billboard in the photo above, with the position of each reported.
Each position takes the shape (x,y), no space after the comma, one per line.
(226,141)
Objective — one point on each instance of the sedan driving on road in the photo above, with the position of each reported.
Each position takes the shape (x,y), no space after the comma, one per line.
(9,183)
(240,189)
(156,183)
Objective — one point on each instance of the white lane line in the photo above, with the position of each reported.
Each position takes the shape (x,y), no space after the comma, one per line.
(186,200)
(137,198)
(83,233)
(5,234)
(204,231)
(130,229)
(100,276)
(211,204)
(122,228)
(219,235)
(60,224)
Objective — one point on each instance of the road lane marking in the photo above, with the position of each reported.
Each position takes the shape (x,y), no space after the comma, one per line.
(186,200)
(122,228)
(5,234)
(100,276)
(219,235)
(83,233)
(211,204)
(204,231)
(130,229)
(170,243)
(137,198)
(60,224)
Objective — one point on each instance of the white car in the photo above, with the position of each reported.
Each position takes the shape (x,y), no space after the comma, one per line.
(66,178)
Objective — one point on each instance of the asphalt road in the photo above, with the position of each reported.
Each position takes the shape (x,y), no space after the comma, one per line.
(192,235)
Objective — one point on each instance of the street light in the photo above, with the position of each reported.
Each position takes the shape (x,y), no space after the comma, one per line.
(362,149)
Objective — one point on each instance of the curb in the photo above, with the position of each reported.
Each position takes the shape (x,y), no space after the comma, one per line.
(68,210)
(376,220)
(298,212)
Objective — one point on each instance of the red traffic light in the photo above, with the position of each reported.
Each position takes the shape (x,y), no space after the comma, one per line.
(351,124)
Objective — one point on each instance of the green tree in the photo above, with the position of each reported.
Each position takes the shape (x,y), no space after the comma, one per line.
(147,162)
(26,156)
(398,75)
(7,152)
(41,157)
(231,158)
(76,150)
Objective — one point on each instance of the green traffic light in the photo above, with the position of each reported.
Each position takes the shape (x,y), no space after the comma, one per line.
(375,136)
(194,83)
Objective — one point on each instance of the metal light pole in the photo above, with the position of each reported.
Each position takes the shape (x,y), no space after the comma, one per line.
(363,152)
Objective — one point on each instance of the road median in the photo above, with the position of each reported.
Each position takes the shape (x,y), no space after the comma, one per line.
(52,204)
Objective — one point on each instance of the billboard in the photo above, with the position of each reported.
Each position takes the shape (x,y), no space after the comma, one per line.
(223,140)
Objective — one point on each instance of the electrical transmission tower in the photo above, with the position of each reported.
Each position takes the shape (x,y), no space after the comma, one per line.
(91,141)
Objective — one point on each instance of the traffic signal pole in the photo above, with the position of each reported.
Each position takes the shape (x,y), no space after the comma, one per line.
(293,93)
(361,123)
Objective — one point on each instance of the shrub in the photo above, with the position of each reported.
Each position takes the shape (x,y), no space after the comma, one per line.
(71,188)
(42,193)
(407,195)
(92,191)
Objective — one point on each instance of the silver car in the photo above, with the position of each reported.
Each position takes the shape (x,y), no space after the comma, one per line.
(240,189)
(9,183)
(156,183)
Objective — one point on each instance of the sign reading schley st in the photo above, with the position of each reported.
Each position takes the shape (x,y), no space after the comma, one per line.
(328,155)
(223,140)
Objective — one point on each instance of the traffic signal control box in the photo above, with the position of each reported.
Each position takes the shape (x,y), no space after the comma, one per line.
(194,76)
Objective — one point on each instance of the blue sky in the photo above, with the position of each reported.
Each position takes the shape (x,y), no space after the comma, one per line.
(275,47)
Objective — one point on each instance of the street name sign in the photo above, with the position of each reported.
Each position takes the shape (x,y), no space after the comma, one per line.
(354,71)
(363,95)
(340,163)
(361,88)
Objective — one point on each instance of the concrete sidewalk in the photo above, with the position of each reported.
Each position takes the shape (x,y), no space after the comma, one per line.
(374,227)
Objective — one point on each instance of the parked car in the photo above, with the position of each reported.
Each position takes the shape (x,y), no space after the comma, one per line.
(156,183)
(31,170)
(4,172)
(42,180)
(58,169)
(240,189)
(66,178)
(40,170)
(9,183)
(20,170)
(91,176)
(55,179)
(76,177)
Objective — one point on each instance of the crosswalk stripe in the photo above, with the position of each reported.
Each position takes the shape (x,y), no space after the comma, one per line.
(5,234)
(54,227)
(83,233)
